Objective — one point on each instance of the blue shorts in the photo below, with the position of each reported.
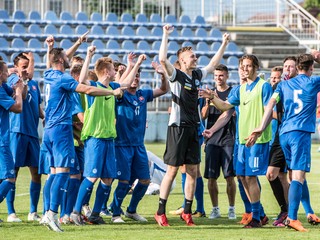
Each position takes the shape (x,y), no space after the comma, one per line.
(252,161)
(132,163)
(296,146)
(6,163)
(59,142)
(235,154)
(25,150)
(45,159)
(99,158)
(79,161)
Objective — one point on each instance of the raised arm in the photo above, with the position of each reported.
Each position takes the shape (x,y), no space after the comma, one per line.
(50,44)
(168,67)
(131,76)
(130,65)
(163,89)
(70,52)
(215,60)
(95,91)
(17,106)
(83,78)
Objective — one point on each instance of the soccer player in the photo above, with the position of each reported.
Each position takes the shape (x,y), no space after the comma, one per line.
(8,104)
(299,102)
(131,155)
(251,97)
(24,138)
(98,134)
(58,138)
(219,144)
(182,145)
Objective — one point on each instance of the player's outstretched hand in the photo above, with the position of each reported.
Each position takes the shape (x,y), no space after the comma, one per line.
(91,50)
(50,41)
(316,54)
(251,140)
(83,38)
(158,68)
(207,133)
(226,38)
(130,59)
(167,29)
(141,58)
(205,93)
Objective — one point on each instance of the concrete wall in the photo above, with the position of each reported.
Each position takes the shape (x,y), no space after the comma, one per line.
(157,126)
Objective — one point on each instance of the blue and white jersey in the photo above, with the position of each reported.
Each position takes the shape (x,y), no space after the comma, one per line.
(299,98)
(58,90)
(131,115)
(6,103)
(27,121)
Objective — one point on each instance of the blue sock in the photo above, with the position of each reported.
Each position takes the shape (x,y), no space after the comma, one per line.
(46,193)
(10,200)
(295,192)
(256,210)
(84,190)
(72,193)
(183,183)
(138,193)
(5,187)
(57,190)
(244,197)
(118,196)
(103,192)
(64,199)
(262,213)
(305,199)
(104,206)
(35,189)
(199,195)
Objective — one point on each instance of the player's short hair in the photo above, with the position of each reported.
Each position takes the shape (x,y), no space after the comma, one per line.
(102,63)
(277,69)
(92,75)
(116,64)
(183,49)
(305,61)
(18,57)
(76,69)
(222,67)
(1,59)
(55,54)
(293,58)
(253,58)
(2,64)
(78,59)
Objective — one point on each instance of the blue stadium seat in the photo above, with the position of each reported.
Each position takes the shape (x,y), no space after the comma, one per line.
(233,50)
(222,61)
(169,18)
(66,43)
(66,30)
(143,45)
(199,20)
(112,44)
(18,43)
(126,17)
(186,32)
(201,33)
(37,58)
(34,29)
(111,17)
(114,57)
(34,43)
(97,30)
(4,14)
(83,46)
(145,86)
(155,18)
(202,46)
(34,15)
(96,17)
(128,45)
(184,19)
(156,45)
(203,61)
(156,31)
(142,31)
(95,57)
(65,16)
(4,57)
(173,46)
(174,33)
(232,62)
(173,59)
(82,16)
(18,28)
(99,44)
(141,18)
(156,58)
(187,44)
(13,56)
(216,34)
(146,75)
(112,30)
(215,46)
(18,15)
(4,28)
(147,63)
(4,43)
(127,31)
(50,16)
(80,29)
(50,29)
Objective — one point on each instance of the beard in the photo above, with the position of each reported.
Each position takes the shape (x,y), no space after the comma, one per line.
(66,65)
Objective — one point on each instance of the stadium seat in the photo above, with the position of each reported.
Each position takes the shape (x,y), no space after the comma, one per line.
(18,43)
(203,61)
(50,16)
(13,56)
(174,33)
(111,17)
(173,59)
(141,18)
(156,58)
(4,44)
(169,18)
(4,28)
(34,15)
(37,58)
(99,44)
(156,45)
(201,33)
(145,86)
(222,61)
(142,31)
(185,19)
(128,45)
(156,31)
(4,57)
(81,16)
(34,29)
(66,29)
(232,62)
(18,29)
(173,46)
(186,32)
(202,46)
(155,18)
(83,46)
(112,30)
(97,30)
(143,45)
(215,46)
(233,50)
(66,43)
(127,31)
(199,20)
(80,29)
(95,57)
(35,43)
(126,17)
(112,44)
(114,57)
(187,44)
(4,14)
(216,34)
(50,29)
(96,17)
(146,75)
(65,16)
(18,15)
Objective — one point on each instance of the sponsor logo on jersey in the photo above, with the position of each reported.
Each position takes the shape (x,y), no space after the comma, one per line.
(141,98)
(34,88)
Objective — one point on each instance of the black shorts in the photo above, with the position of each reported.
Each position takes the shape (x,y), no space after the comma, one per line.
(277,158)
(219,158)
(182,146)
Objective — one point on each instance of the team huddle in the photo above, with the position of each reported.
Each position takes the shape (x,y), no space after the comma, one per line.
(95,122)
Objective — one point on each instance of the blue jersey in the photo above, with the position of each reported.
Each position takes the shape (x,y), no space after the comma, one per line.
(27,121)
(299,98)
(6,103)
(131,115)
(77,104)
(59,87)
(8,89)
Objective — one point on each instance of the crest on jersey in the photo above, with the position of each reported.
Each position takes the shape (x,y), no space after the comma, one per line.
(197,82)
(34,88)
(141,98)
(135,103)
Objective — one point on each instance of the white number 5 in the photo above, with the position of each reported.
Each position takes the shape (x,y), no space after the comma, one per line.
(297,100)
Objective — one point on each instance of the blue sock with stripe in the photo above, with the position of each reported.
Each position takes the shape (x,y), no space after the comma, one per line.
(46,193)
(199,195)
(102,194)
(35,189)
(84,190)
(137,194)
(305,198)
(5,187)
(57,190)
(295,192)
